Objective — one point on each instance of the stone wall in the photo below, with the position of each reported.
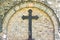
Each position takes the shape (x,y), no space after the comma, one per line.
(5,5)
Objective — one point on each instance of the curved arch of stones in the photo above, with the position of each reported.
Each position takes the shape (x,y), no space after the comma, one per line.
(39,5)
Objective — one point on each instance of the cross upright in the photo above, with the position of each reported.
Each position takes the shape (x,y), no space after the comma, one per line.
(30,17)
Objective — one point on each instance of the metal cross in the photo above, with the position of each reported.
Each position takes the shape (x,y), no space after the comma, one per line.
(30,17)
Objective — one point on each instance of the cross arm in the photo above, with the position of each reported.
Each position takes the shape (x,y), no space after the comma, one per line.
(35,17)
(24,17)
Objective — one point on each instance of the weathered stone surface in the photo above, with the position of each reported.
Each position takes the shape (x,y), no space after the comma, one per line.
(5,5)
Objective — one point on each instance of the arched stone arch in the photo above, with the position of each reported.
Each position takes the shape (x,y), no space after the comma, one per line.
(40,6)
